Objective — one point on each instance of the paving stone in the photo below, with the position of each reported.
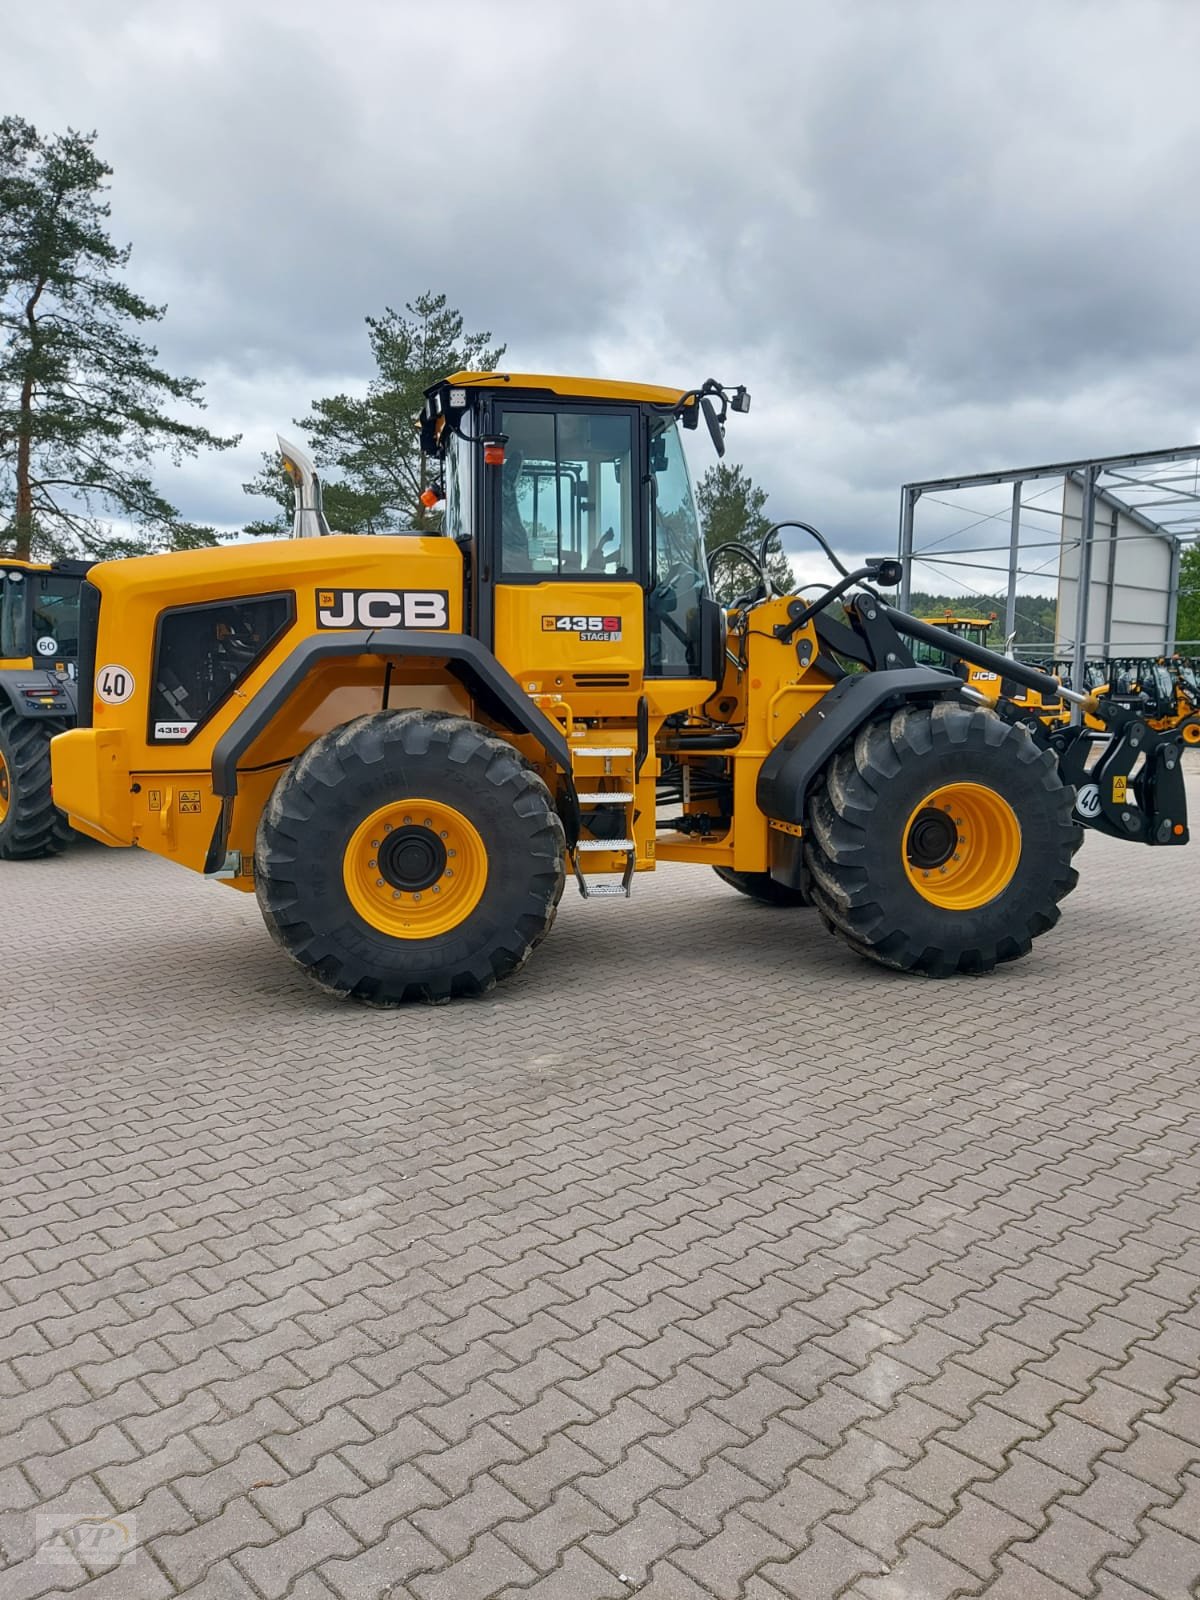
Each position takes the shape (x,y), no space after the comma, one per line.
(488,1566)
(901,1310)
(541,1539)
(825,1566)
(186,1556)
(275,1567)
(1164,1562)
(1070,1549)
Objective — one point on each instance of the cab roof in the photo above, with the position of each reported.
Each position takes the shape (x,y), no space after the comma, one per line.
(571,388)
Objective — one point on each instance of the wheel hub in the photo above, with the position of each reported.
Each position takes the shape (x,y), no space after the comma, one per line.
(962,846)
(931,839)
(412,858)
(415,868)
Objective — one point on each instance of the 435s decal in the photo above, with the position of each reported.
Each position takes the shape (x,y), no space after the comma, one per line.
(592,630)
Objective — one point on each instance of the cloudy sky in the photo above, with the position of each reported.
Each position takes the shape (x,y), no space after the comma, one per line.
(932,237)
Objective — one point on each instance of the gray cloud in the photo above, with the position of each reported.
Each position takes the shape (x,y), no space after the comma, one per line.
(931,237)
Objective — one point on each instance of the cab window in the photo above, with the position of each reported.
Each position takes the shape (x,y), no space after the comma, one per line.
(566,494)
(13,634)
(673,608)
(55,616)
(459,462)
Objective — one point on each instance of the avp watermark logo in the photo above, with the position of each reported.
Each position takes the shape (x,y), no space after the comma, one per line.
(66,1538)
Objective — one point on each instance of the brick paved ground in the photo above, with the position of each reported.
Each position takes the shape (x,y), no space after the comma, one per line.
(701,1260)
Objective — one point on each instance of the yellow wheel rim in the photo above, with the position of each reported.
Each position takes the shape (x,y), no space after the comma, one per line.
(962,846)
(5,788)
(1191,735)
(415,869)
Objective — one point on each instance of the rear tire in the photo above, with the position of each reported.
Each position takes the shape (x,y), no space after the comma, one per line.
(409,856)
(31,826)
(941,841)
(761,886)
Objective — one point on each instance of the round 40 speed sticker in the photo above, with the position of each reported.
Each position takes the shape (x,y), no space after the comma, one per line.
(114,685)
(1087,801)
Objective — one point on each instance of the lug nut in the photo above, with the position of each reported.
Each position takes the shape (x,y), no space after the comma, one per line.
(372,863)
(379,883)
(449,872)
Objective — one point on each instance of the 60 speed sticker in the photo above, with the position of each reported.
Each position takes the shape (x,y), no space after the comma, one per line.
(114,685)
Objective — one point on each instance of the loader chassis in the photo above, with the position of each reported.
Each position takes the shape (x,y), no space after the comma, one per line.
(39,648)
(406,745)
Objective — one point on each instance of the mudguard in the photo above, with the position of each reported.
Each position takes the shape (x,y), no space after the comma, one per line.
(786,774)
(494,689)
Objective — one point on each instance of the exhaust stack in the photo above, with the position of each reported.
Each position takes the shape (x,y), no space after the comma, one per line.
(309,520)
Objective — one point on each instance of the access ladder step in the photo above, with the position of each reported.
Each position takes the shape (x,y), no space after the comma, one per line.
(603,799)
(605,844)
(601,750)
(599,890)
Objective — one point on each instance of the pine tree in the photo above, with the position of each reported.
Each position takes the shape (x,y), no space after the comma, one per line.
(85,405)
(733,509)
(370,447)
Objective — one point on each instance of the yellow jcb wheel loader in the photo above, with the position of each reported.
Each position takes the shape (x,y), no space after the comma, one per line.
(406,745)
(39,647)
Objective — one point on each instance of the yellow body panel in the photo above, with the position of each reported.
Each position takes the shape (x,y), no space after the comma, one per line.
(764,700)
(114,783)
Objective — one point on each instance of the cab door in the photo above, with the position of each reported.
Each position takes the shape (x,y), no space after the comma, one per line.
(565,562)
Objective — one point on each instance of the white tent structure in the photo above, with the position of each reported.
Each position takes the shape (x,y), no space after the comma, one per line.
(1123,525)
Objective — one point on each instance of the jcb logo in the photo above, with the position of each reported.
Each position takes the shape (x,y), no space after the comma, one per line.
(383,608)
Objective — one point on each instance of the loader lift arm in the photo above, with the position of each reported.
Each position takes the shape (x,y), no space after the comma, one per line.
(1135,789)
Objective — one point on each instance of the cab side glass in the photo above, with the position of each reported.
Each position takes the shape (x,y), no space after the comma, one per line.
(14,635)
(55,616)
(566,494)
(675,632)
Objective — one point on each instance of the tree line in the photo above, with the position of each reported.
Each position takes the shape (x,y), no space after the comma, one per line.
(86,406)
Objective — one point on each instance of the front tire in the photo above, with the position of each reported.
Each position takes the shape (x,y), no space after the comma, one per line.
(30,824)
(941,841)
(409,855)
(761,886)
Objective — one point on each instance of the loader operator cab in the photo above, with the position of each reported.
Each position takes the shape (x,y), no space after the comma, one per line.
(39,614)
(575,505)
(39,663)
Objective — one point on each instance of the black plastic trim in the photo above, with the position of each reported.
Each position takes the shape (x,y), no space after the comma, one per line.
(89,634)
(785,776)
(496,691)
(287,595)
(15,680)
